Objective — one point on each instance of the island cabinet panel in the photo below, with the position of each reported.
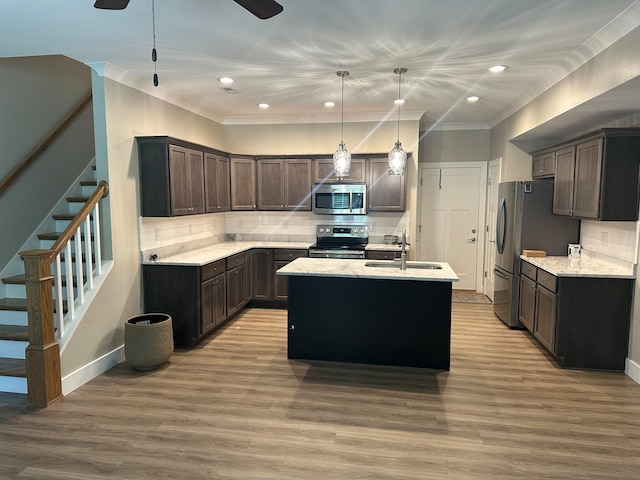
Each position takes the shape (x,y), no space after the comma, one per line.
(217,182)
(386,193)
(171,178)
(599,181)
(324,173)
(328,320)
(243,183)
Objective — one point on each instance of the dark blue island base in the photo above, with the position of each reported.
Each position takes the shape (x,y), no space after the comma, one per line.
(375,321)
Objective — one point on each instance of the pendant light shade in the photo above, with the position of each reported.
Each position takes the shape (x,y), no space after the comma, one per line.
(397,156)
(342,157)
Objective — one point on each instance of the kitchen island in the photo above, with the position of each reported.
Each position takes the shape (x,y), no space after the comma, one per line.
(353,311)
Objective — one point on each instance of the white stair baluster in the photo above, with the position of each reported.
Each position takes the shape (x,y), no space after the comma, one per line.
(59,317)
(87,252)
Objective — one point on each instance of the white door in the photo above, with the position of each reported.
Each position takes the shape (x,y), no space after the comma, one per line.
(493,180)
(451,199)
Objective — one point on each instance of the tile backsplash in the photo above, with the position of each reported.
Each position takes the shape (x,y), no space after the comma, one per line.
(175,234)
(612,239)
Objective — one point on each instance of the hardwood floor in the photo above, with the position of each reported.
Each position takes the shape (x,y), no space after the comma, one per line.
(236,408)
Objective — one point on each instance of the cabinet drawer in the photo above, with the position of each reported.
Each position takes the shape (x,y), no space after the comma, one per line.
(382,254)
(528,270)
(212,269)
(236,260)
(547,280)
(289,254)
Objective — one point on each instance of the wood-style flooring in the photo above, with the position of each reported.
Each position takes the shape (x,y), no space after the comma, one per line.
(236,408)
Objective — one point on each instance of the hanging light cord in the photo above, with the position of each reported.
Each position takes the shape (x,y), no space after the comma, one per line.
(342,110)
(399,103)
(154,54)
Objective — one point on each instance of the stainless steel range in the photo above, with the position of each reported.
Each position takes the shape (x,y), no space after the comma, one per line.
(340,241)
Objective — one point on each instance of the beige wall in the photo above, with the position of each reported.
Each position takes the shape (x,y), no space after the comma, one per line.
(127,113)
(455,146)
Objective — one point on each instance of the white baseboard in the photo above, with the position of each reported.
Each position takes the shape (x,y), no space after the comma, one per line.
(632,369)
(92,370)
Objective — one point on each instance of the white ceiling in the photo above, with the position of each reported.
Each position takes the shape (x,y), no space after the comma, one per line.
(290,61)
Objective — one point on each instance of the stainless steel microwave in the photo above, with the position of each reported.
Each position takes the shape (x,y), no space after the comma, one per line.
(340,199)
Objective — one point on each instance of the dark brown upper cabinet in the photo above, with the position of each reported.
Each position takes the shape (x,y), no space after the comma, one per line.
(284,184)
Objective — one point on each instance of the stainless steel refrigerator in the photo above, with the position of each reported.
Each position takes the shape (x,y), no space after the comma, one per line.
(525,221)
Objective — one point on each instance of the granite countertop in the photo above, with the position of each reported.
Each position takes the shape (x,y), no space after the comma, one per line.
(586,266)
(351,268)
(385,246)
(218,251)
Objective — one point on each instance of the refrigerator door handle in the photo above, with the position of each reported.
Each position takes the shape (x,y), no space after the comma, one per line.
(501,225)
(498,273)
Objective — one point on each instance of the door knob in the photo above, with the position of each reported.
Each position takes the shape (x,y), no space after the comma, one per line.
(473,231)
(472,240)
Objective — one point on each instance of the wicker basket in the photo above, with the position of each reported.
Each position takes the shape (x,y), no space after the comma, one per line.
(148,340)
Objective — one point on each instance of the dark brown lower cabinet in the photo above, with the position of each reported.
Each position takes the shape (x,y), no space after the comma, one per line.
(236,289)
(262,274)
(583,321)
(214,303)
(282,257)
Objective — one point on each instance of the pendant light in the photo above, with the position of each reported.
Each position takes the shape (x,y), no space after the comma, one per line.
(342,158)
(397,156)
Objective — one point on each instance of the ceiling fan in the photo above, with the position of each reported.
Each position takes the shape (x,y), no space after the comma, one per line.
(262,9)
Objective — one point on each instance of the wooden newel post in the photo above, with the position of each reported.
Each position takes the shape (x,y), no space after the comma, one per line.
(44,383)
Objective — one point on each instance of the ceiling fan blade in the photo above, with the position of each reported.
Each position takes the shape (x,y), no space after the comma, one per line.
(111,4)
(262,9)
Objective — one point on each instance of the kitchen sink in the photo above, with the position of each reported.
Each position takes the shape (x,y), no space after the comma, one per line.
(424,265)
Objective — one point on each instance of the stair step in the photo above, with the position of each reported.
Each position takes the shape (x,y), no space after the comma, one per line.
(89,183)
(53,236)
(77,199)
(20,304)
(13,367)
(14,332)
(20,280)
(64,216)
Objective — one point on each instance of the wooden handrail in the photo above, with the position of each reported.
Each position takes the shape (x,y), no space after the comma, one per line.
(102,190)
(42,145)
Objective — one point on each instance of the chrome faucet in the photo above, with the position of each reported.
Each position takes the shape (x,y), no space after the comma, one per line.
(403,253)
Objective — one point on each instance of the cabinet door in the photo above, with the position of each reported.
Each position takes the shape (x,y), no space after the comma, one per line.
(270,185)
(236,289)
(544,166)
(243,184)
(216,182)
(527,302)
(214,310)
(280,282)
(386,192)
(323,171)
(563,183)
(262,274)
(195,177)
(588,175)
(178,180)
(297,185)
(545,324)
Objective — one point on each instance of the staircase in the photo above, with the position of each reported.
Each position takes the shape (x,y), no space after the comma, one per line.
(14,331)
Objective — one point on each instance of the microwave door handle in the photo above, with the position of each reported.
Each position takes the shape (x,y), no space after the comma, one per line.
(351,201)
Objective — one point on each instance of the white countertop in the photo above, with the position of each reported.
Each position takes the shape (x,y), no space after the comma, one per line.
(351,268)
(205,255)
(385,246)
(585,266)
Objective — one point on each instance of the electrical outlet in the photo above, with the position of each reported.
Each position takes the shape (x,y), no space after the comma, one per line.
(604,238)
(372,227)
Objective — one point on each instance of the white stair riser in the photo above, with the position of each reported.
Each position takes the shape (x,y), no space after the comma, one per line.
(13,384)
(13,317)
(12,349)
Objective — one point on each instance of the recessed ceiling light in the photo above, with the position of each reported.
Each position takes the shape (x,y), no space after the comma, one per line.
(225,80)
(473,99)
(399,101)
(498,68)
(329,104)
(263,105)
